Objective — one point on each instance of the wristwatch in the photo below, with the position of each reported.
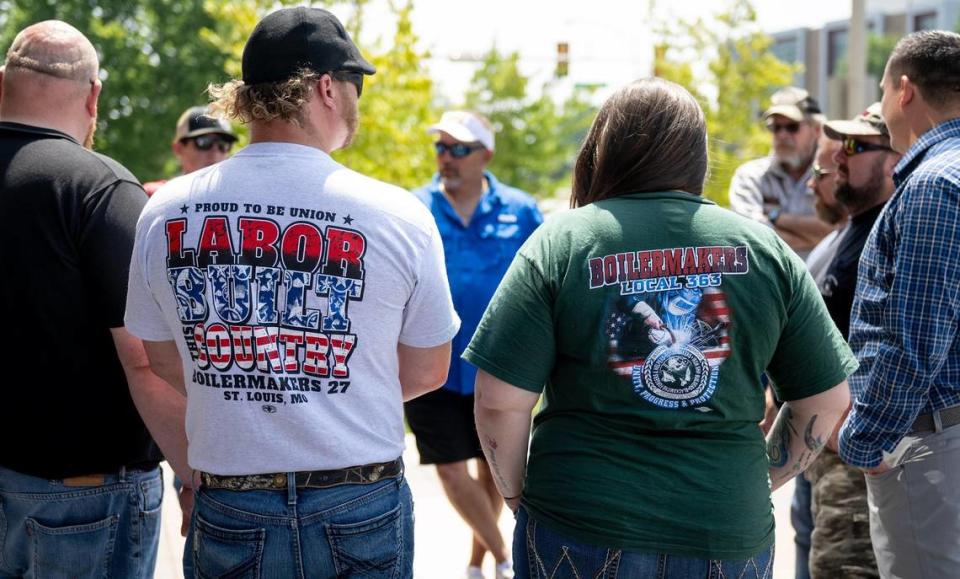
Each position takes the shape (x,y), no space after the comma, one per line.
(773,215)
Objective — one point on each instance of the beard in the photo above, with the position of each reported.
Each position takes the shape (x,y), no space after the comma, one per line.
(859,199)
(91,131)
(351,118)
(829,213)
(797,158)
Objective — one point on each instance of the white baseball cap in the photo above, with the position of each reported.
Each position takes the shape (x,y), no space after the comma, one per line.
(465,127)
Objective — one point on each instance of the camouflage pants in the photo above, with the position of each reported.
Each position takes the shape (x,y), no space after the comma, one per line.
(840,545)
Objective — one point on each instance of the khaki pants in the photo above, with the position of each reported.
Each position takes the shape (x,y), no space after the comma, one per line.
(915,508)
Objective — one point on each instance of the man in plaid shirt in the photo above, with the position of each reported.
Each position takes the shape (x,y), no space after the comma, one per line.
(902,428)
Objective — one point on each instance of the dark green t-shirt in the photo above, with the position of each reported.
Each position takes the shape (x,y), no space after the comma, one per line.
(647,321)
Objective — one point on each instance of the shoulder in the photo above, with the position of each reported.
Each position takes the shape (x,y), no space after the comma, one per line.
(391,201)
(113,169)
(941,166)
(426,193)
(754,169)
(520,202)
(89,170)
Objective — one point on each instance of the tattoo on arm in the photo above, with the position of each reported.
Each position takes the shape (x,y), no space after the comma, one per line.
(492,460)
(778,447)
(814,444)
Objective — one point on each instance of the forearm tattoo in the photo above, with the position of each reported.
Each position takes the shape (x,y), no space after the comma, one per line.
(778,446)
(494,466)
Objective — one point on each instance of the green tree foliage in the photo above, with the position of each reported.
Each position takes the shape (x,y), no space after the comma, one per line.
(156,57)
(395,110)
(741,73)
(879,47)
(537,139)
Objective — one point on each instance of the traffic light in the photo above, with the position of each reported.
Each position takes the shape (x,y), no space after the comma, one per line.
(563,59)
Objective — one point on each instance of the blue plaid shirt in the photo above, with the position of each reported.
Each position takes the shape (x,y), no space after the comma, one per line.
(907,305)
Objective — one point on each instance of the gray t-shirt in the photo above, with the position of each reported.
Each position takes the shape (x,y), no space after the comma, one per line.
(286,281)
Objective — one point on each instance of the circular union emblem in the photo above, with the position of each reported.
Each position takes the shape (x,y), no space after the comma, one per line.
(269,408)
(677,372)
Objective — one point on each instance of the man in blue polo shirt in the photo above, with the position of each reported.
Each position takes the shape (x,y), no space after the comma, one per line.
(483,223)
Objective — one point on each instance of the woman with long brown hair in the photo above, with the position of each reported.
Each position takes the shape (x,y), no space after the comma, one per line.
(645,316)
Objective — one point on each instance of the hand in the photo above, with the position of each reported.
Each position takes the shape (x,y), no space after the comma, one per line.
(879,469)
(513,504)
(186,506)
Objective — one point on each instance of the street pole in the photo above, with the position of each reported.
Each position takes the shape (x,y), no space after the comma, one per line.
(857,58)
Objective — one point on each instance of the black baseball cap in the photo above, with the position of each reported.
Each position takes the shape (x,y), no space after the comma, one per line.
(291,39)
(197,121)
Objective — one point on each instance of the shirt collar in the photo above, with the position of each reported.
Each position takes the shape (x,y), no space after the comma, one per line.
(33,130)
(918,150)
(492,192)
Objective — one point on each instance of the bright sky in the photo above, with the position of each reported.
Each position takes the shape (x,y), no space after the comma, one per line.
(610,40)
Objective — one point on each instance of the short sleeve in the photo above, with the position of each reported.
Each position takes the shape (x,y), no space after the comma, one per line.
(429,319)
(105,245)
(745,195)
(515,340)
(144,317)
(811,355)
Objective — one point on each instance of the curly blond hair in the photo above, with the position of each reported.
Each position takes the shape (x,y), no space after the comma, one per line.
(266,101)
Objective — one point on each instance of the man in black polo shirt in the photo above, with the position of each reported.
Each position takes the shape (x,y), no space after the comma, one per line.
(840,543)
(80,489)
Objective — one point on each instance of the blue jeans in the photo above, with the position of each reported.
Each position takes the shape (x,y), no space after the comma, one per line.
(48,529)
(802,520)
(539,553)
(346,531)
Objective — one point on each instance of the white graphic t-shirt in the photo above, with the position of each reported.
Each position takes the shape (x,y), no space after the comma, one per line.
(287,281)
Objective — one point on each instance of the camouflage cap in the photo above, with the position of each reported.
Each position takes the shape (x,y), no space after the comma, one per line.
(867,123)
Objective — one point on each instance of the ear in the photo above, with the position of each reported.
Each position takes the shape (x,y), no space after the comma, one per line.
(177,148)
(326,91)
(92,97)
(487,156)
(907,91)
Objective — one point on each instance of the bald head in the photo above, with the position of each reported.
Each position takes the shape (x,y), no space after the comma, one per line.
(50,80)
(55,49)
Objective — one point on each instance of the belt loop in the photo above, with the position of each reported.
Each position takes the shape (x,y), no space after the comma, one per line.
(937,421)
(291,489)
(123,474)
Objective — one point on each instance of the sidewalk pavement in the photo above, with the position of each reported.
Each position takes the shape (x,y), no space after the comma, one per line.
(442,539)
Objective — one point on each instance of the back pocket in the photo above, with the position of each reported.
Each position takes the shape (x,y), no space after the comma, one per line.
(82,551)
(369,549)
(226,553)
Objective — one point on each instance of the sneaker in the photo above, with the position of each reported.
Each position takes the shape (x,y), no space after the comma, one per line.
(475,572)
(505,570)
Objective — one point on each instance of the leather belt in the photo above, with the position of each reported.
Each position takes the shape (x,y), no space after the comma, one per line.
(926,423)
(314,479)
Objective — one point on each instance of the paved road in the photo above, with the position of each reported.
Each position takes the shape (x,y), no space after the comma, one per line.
(442,539)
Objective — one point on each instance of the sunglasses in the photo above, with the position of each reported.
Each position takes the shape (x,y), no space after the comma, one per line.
(457,150)
(853,147)
(819,173)
(207,142)
(791,128)
(354,78)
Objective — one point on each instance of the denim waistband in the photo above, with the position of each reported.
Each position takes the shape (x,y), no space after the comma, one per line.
(94,479)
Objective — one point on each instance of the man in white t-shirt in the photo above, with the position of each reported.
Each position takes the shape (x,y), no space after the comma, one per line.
(299,304)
